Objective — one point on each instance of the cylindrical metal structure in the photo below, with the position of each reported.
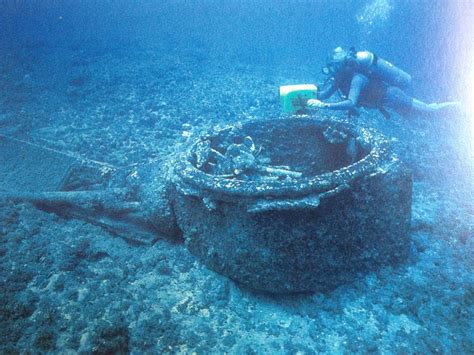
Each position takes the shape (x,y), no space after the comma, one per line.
(391,74)
(348,212)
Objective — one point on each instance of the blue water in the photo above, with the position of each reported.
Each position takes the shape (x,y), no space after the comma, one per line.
(124,82)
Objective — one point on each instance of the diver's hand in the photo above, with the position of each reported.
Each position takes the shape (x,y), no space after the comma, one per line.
(313,103)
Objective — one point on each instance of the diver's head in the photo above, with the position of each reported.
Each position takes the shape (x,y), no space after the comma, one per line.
(337,59)
(338,55)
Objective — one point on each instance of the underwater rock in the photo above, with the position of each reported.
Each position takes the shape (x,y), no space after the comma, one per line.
(347,212)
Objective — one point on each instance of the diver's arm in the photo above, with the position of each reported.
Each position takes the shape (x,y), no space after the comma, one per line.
(328,90)
(358,82)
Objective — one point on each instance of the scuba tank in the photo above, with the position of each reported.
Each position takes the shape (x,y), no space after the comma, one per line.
(370,64)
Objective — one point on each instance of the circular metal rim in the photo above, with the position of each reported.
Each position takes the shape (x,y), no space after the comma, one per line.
(191,178)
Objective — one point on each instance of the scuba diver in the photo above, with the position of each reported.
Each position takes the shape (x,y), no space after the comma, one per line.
(362,79)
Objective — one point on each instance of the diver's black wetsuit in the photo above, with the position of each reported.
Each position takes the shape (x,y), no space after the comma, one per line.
(358,89)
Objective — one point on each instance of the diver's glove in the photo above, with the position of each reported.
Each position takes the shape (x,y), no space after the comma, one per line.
(314,103)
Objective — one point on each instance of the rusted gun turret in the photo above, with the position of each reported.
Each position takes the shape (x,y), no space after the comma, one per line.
(280,205)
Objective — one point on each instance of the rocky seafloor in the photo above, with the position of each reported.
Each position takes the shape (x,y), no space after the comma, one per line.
(68,286)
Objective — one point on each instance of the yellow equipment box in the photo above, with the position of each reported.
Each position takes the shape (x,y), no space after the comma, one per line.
(293,98)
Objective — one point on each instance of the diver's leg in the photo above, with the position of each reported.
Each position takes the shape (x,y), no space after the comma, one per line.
(396,99)
(435,106)
(404,104)
(421,106)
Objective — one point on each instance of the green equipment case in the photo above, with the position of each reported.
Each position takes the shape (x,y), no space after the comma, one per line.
(293,98)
